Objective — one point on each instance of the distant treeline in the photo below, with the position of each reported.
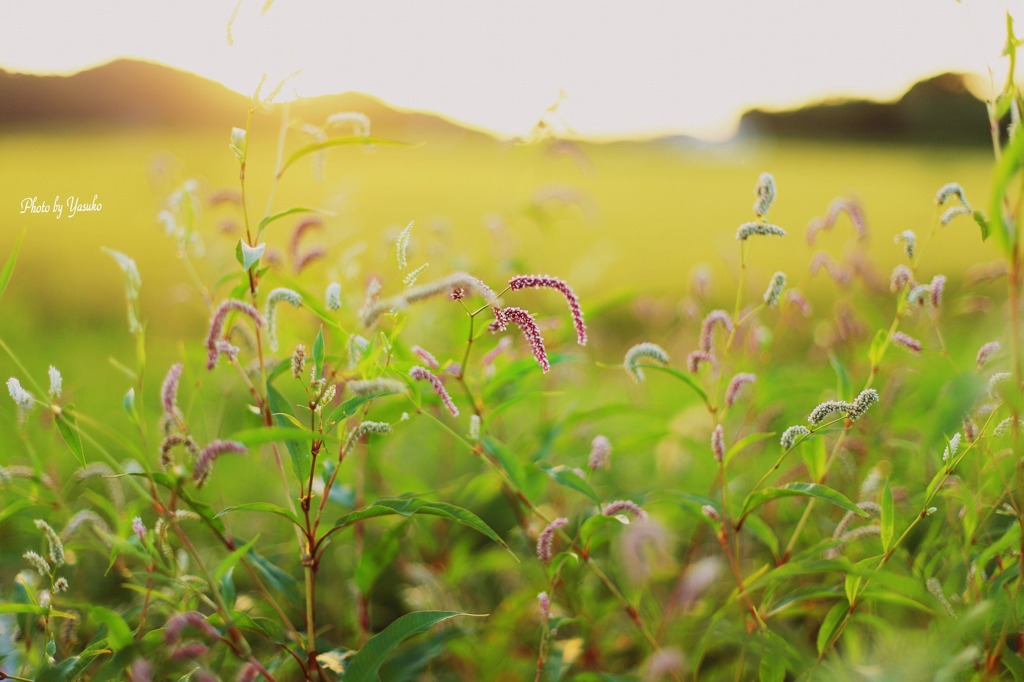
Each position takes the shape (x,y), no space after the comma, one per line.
(940,110)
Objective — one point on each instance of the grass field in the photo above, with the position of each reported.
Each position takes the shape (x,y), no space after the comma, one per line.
(626,225)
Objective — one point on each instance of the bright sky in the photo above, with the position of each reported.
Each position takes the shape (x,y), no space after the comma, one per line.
(640,67)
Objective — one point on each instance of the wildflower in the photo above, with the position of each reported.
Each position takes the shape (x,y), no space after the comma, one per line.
(746,230)
(365,428)
(839,205)
(401,245)
(700,575)
(474,428)
(707,327)
(56,382)
(86,516)
(22,398)
(424,291)
(986,351)
(325,398)
(738,382)
(909,241)
(188,651)
(53,541)
(411,277)
(457,294)
(426,357)
(970,429)
(919,294)
(953,212)
(204,463)
(901,276)
(308,257)
(298,361)
(380,386)
(951,448)
(139,528)
(132,284)
(169,390)
(710,513)
(600,453)
(948,190)
(647,350)
(774,290)
(421,374)
(908,342)
(37,562)
(1003,427)
(995,380)
(826,408)
(278,295)
(666,664)
(492,355)
(357,346)
(796,298)
(360,122)
(333,296)
(823,260)
(217,325)
(189,619)
(790,435)
(765,193)
(695,359)
(60,584)
(861,403)
(529,328)
(613,508)
(526,281)
(935,588)
(718,444)
(547,538)
(545,606)
(935,290)
(175,440)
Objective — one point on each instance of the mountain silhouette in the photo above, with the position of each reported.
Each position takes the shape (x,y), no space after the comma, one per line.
(939,110)
(136,94)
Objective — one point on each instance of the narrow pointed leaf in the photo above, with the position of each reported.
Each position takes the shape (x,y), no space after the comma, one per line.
(821,492)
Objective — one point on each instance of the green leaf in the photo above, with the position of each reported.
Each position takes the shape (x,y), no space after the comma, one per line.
(349,407)
(815,457)
(888,522)
(33,609)
(279,579)
(5,274)
(271,434)
(565,476)
(68,427)
(319,353)
(1006,168)
(830,625)
(979,218)
(284,214)
(363,667)
(877,346)
(378,556)
(282,414)
(228,592)
(507,460)
(745,442)
(119,635)
(262,507)
(822,492)
(335,142)
(408,506)
(682,376)
(591,526)
(763,532)
(231,560)
(842,376)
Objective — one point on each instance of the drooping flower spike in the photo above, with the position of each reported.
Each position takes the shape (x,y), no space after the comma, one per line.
(204,463)
(426,357)
(278,295)
(217,326)
(528,325)
(765,193)
(747,230)
(790,435)
(529,281)
(986,351)
(619,506)
(600,453)
(169,390)
(697,358)
(546,539)
(718,444)
(402,245)
(738,382)
(459,280)
(774,291)
(908,342)
(422,374)
(707,327)
(645,350)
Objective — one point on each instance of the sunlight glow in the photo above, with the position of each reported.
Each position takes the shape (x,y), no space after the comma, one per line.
(646,68)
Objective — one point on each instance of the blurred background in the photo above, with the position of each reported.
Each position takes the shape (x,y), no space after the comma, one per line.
(616,150)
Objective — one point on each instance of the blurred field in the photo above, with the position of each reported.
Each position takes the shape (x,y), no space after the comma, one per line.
(612,219)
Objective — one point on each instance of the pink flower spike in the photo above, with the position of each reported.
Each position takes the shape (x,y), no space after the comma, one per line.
(525,322)
(935,291)
(204,463)
(169,389)
(613,508)
(707,327)
(718,444)
(986,351)
(908,342)
(600,453)
(502,346)
(525,281)
(217,326)
(426,357)
(696,358)
(547,538)
(735,385)
(422,374)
